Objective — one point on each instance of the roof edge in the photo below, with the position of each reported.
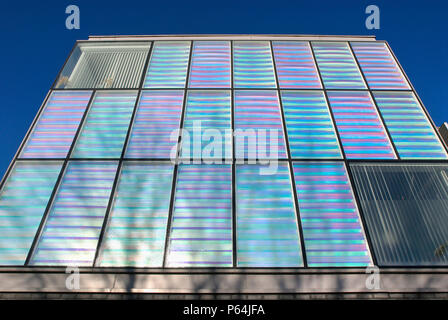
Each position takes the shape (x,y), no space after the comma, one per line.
(233,37)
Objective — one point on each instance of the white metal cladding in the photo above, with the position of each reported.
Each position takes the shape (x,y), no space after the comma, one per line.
(109,67)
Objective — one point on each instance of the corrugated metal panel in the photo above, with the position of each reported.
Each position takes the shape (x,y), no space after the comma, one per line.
(158,115)
(208,114)
(337,66)
(53,133)
(311,133)
(362,133)
(201,229)
(135,235)
(210,64)
(379,67)
(331,225)
(258,122)
(409,127)
(23,200)
(169,64)
(71,233)
(406,210)
(252,65)
(109,67)
(267,232)
(295,65)
(105,128)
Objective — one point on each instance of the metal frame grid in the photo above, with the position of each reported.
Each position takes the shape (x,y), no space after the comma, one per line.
(234,161)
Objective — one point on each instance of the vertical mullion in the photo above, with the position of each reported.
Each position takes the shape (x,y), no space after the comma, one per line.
(58,182)
(374,101)
(291,173)
(233,162)
(177,160)
(434,127)
(336,130)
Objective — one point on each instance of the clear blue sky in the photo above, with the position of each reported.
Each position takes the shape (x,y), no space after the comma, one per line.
(35,42)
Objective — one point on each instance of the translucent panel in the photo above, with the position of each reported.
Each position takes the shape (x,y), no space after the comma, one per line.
(53,133)
(337,66)
(106,126)
(135,235)
(158,116)
(267,233)
(71,232)
(258,124)
(379,67)
(252,65)
(208,123)
(331,224)
(362,133)
(23,200)
(409,127)
(169,64)
(311,132)
(105,65)
(201,229)
(406,210)
(210,64)
(295,65)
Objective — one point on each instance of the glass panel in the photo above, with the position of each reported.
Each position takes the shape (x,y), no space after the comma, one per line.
(201,229)
(208,123)
(331,225)
(408,125)
(253,65)
(258,124)
(158,115)
(104,65)
(210,64)
(295,65)
(23,201)
(337,66)
(406,211)
(105,128)
(379,67)
(53,133)
(136,229)
(311,132)
(362,133)
(71,232)
(267,233)
(168,65)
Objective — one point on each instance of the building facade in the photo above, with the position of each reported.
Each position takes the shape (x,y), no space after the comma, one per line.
(233,165)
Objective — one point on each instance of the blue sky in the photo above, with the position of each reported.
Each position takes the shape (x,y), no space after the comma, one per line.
(35,42)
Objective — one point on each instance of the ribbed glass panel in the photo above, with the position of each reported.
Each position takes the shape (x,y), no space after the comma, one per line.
(53,133)
(23,200)
(311,132)
(101,65)
(210,64)
(252,65)
(258,124)
(267,233)
(362,133)
(379,67)
(295,65)
(409,127)
(169,64)
(331,224)
(406,210)
(201,229)
(337,66)
(136,230)
(208,123)
(71,232)
(105,128)
(158,115)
